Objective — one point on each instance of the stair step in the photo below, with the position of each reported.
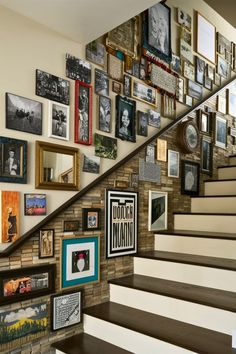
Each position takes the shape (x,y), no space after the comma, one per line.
(161,330)
(213,204)
(232,159)
(227,172)
(219,187)
(199,234)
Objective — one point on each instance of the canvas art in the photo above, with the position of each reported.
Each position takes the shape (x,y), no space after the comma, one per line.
(35,204)
(10,216)
(157,211)
(59,121)
(78,69)
(105,146)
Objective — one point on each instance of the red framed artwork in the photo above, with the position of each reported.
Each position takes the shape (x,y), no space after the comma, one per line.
(83,113)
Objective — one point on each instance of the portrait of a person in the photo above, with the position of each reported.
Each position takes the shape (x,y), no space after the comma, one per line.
(12,225)
(12,164)
(124,131)
(83,114)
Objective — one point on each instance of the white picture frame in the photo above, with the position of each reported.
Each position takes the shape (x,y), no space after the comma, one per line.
(173,164)
(206,38)
(157,210)
(58,121)
(221,132)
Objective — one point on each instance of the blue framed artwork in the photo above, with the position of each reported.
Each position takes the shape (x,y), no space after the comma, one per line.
(80,261)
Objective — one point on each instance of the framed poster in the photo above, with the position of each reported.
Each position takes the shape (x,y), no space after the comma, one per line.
(59,121)
(157,210)
(91,219)
(121,223)
(173,163)
(83,113)
(220,131)
(190,177)
(125,118)
(206,38)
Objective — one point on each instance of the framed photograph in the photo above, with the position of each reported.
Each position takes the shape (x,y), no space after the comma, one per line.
(128,64)
(221,104)
(173,163)
(184,19)
(13,160)
(203,122)
(210,72)
(195,90)
(208,83)
(143,92)
(161,150)
(80,261)
(190,177)
(66,309)
(206,155)
(154,118)
(26,283)
(46,243)
(186,51)
(115,67)
(185,35)
(121,219)
(104,114)
(70,225)
(168,106)
(206,38)
(83,113)
(180,90)
(143,68)
(91,164)
(127,85)
(175,64)
(59,121)
(96,53)
(136,68)
(125,119)
(163,79)
(149,171)
(52,87)
(223,67)
(142,123)
(10,216)
(221,131)
(101,83)
(35,204)
(217,79)
(134,180)
(116,87)
(23,114)
(223,44)
(150,153)
(231,103)
(188,101)
(91,219)
(78,69)
(188,70)
(199,70)
(157,210)
(105,146)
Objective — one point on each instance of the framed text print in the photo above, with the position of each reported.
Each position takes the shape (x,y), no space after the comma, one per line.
(206,38)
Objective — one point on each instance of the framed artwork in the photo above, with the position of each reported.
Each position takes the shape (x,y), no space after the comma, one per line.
(217,79)
(83,113)
(121,219)
(10,216)
(136,68)
(223,44)
(104,113)
(59,121)
(125,118)
(199,70)
(154,118)
(194,90)
(173,163)
(206,156)
(35,204)
(190,177)
(186,51)
(180,90)
(116,87)
(185,35)
(78,69)
(91,219)
(70,225)
(157,210)
(101,83)
(231,103)
(46,243)
(150,153)
(208,83)
(127,85)
(210,72)
(188,100)
(52,87)
(163,79)
(23,114)
(128,64)
(188,70)
(115,68)
(142,123)
(143,92)
(91,164)
(96,53)
(143,68)
(203,122)
(184,19)
(13,160)
(168,106)
(161,150)
(223,67)
(105,146)
(80,261)
(149,171)
(220,131)
(206,38)
(66,309)
(26,283)
(221,104)
(134,180)
(175,64)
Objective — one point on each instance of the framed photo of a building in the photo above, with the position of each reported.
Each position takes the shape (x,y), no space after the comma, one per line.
(121,223)
(206,38)
(157,210)
(83,113)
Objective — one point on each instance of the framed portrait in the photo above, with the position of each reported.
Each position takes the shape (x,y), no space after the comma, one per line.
(13,160)
(221,104)
(180,90)
(203,122)
(231,103)
(175,64)
(115,67)
(96,53)
(35,204)
(52,87)
(59,121)
(161,150)
(154,118)
(127,85)
(184,19)
(206,155)
(157,210)
(221,131)
(23,114)
(173,163)
(80,261)
(195,90)
(83,113)
(223,67)
(66,309)
(78,69)
(125,118)
(199,70)
(116,87)
(185,35)
(206,38)
(142,123)
(105,146)
(163,79)
(101,83)
(91,164)
(150,153)
(208,83)
(26,283)
(188,70)
(143,92)
(104,114)
(91,219)
(188,100)
(46,243)
(121,223)
(190,177)
(10,216)
(186,51)
(70,225)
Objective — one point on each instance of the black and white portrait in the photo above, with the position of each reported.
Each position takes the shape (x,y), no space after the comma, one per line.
(23,114)
(199,70)
(154,118)
(125,119)
(96,53)
(104,122)
(91,164)
(101,83)
(78,69)
(12,156)
(184,19)
(58,121)
(142,123)
(83,113)
(127,85)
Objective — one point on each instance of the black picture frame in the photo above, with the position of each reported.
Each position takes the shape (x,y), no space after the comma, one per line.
(91,219)
(199,70)
(70,225)
(104,114)
(101,86)
(46,243)
(190,177)
(78,69)
(142,123)
(16,284)
(206,155)
(125,119)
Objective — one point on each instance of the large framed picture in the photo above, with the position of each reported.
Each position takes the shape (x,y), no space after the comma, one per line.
(143,92)
(105,146)
(121,223)
(104,114)
(206,155)
(96,53)
(91,219)
(13,160)
(80,261)
(190,177)
(157,210)
(230,103)
(35,204)
(78,69)
(125,118)
(26,283)
(173,163)
(83,113)
(220,131)
(66,309)
(206,38)
(23,114)
(46,243)
(59,121)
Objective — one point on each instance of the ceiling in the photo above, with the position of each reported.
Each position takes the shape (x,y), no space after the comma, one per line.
(226,9)
(79,20)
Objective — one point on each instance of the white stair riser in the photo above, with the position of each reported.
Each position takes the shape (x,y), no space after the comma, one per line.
(212,223)
(189,312)
(213,205)
(59,352)
(220,188)
(232,160)
(186,273)
(129,340)
(196,245)
(227,173)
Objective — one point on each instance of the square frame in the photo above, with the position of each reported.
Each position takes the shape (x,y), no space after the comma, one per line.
(83,113)
(91,219)
(59,121)
(125,119)
(46,243)
(32,199)
(157,210)
(190,177)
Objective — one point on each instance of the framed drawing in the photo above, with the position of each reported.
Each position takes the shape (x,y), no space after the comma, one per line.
(142,128)
(83,113)
(104,114)
(10,216)
(59,121)
(220,131)
(143,92)
(121,223)
(203,122)
(115,67)
(206,38)
(231,103)
(91,164)
(221,104)
(157,210)
(206,155)
(80,261)
(35,204)
(91,219)
(199,70)
(46,243)
(161,150)
(96,53)
(190,177)
(101,83)
(194,90)
(78,69)
(125,118)
(184,19)
(70,226)
(66,309)
(105,146)
(173,163)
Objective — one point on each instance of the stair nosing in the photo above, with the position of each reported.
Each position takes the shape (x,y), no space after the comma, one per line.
(213,196)
(201,234)
(220,180)
(226,166)
(206,214)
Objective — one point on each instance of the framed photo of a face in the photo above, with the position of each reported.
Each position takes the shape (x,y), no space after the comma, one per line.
(184,19)
(96,53)
(173,163)
(59,120)
(91,164)
(206,155)
(142,123)
(206,38)
(199,70)
(35,204)
(101,83)
(154,118)
(115,68)
(221,104)
(125,118)
(104,114)
(231,103)
(83,113)
(143,92)
(105,146)
(78,69)
(157,210)
(203,122)
(91,219)
(220,131)
(46,243)
(190,177)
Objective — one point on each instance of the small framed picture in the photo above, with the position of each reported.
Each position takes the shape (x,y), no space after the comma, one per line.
(154,118)
(35,204)
(161,150)
(220,131)
(157,210)
(199,70)
(143,92)
(105,146)
(188,100)
(190,177)
(210,72)
(46,243)
(176,64)
(91,219)
(185,35)
(180,89)
(208,83)
(115,68)
(195,90)
(104,113)
(142,124)
(184,19)
(78,69)
(231,103)
(101,83)
(135,68)
(127,85)
(125,118)
(186,51)
(173,163)
(96,53)
(83,113)
(188,70)
(134,180)
(223,67)
(203,121)
(59,120)
(150,153)
(217,79)
(221,104)
(70,225)
(116,87)
(91,164)
(206,155)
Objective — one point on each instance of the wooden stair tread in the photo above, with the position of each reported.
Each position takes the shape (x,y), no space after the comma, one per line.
(200,213)
(219,180)
(221,299)
(213,196)
(86,344)
(226,166)
(200,234)
(197,339)
(212,262)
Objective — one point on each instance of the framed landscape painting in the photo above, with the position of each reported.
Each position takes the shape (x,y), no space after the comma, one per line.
(157,210)
(35,204)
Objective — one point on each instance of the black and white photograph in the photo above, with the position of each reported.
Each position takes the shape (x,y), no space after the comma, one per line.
(188,100)
(91,164)
(52,87)
(115,67)
(223,44)
(206,38)
(157,210)
(210,72)
(180,90)
(78,69)
(184,19)
(104,118)
(185,35)
(59,121)
(220,131)
(96,53)
(231,103)
(186,51)
(206,156)
(208,83)
(188,70)
(101,83)
(154,118)
(199,70)
(125,118)
(223,68)
(105,146)
(176,64)
(150,153)
(46,243)
(116,87)
(135,68)
(23,114)
(143,68)
(217,79)
(127,85)
(221,104)
(190,177)
(142,123)
(143,92)
(83,113)
(173,163)
(194,90)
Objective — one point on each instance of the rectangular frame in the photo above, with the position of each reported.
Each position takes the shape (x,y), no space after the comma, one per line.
(173,163)
(203,122)
(221,105)
(115,67)
(96,53)
(70,225)
(195,90)
(220,131)
(142,128)
(206,155)
(157,210)
(46,243)
(125,119)
(161,150)
(206,30)
(104,113)
(59,121)
(83,113)
(91,219)
(78,69)
(35,204)
(230,103)
(190,177)
(137,91)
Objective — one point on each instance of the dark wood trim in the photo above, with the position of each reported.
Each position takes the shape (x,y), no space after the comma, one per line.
(219,180)
(213,196)
(228,166)
(207,214)
(234,155)
(199,234)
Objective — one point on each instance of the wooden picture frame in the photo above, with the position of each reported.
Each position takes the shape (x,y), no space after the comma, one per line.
(78,69)
(96,53)
(105,146)
(83,113)
(184,19)
(157,210)
(203,122)
(35,204)
(142,128)
(221,104)
(220,131)
(71,226)
(173,164)
(115,67)
(190,177)
(91,219)
(10,216)
(206,30)
(199,70)
(46,243)
(125,118)
(142,92)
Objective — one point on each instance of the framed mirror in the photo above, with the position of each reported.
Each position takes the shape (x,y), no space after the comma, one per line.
(56,166)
